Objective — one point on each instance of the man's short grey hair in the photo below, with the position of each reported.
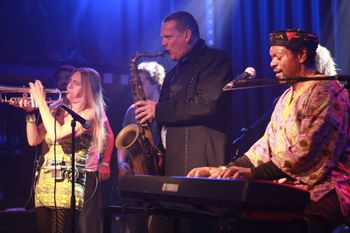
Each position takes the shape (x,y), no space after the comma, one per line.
(184,20)
(154,71)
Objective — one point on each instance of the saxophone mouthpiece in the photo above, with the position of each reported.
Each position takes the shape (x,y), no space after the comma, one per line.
(162,53)
(142,54)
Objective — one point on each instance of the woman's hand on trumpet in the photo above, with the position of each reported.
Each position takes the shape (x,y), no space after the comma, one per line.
(38,92)
(38,95)
(23,103)
(28,104)
(26,101)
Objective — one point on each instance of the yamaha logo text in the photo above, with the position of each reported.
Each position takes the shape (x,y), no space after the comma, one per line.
(168,187)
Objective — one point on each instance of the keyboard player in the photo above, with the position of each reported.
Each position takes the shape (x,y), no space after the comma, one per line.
(307,140)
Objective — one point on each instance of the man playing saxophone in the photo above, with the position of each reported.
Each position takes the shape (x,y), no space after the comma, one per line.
(193,112)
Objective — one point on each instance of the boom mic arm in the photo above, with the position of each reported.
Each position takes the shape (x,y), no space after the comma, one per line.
(85,123)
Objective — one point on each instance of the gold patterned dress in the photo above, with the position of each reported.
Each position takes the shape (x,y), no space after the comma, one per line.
(54,186)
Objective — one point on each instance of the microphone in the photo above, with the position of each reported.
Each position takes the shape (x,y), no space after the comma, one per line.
(248,73)
(85,123)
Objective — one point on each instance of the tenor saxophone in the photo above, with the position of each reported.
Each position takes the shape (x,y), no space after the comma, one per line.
(137,138)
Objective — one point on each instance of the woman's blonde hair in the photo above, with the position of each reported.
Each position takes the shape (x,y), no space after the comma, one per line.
(93,98)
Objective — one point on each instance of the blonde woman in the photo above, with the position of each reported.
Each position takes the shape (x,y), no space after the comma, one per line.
(53,186)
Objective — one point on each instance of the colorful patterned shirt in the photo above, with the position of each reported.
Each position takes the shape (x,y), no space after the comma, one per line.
(308,138)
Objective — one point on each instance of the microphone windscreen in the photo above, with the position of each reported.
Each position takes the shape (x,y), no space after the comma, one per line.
(250,71)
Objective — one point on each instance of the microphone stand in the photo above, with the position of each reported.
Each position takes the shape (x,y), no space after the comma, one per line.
(72,202)
(244,131)
(85,124)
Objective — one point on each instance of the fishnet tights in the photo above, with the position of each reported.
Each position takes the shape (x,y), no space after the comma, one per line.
(53,221)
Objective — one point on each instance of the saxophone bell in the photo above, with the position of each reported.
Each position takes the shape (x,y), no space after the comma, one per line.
(130,138)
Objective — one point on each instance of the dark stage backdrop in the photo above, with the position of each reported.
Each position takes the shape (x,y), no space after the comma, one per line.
(36,36)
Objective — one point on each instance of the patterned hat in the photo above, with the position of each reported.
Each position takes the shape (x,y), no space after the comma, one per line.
(294,38)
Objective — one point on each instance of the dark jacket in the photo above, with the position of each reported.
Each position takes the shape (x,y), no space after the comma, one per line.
(195,110)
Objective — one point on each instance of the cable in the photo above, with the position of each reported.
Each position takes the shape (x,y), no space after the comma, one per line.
(96,186)
(55,178)
(34,172)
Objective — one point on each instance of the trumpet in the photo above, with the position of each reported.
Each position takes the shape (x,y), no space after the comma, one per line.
(25,91)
